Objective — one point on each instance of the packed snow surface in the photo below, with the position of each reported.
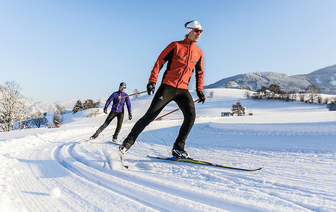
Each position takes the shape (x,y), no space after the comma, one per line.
(294,143)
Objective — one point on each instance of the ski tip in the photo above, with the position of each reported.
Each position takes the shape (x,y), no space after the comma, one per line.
(112,142)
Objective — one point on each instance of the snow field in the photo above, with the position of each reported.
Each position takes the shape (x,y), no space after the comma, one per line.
(294,142)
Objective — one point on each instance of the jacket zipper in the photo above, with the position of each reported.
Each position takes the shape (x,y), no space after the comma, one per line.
(186,65)
(119,102)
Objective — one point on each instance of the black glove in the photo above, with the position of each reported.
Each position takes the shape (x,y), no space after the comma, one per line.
(201,97)
(105,110)
(150,87)
(130,116)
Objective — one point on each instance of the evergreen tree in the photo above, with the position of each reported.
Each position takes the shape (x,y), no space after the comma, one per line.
(78,106)
(237,108)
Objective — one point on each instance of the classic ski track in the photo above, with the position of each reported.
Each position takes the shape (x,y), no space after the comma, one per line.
(74,196)
(130,188)
(264,191)
(93,179)
(245,185)
(297,184)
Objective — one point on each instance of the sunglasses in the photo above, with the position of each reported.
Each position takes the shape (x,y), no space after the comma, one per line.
(196,30)
(123,87)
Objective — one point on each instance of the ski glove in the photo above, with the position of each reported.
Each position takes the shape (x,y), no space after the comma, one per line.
(105,110)
(150,87)
(201,97)
(130,116)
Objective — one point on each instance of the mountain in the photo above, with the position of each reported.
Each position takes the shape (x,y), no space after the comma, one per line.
(324,78)
(67,104)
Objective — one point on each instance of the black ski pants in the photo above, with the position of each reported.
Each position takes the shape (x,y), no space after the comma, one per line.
(110,117)
(163,96)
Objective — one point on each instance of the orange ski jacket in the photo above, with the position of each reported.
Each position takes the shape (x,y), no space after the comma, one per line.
(182,56)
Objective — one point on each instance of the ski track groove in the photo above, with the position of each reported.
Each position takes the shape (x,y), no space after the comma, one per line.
(286,176)
(65,158)
(42,187)
(113,179)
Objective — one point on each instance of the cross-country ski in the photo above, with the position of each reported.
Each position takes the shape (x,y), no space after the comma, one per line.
(84,141)
(201,163)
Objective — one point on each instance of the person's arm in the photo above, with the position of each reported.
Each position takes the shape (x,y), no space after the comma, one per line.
(200,79)
(199,70)
(128,103)
(108,101)
(165,55)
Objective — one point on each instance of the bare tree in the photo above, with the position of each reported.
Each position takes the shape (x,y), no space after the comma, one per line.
(136,91)
(58,116)
(274,90)
(97,104)
(302,96)
(12,105)
(39,119)
(22,111)
(247,94)
(314,91)
(211,95)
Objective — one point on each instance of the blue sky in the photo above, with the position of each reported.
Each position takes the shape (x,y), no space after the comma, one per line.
(58,50)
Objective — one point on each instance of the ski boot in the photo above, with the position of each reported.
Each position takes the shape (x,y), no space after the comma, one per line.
(180,154)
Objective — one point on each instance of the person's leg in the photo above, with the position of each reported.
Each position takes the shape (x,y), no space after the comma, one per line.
(120,118)
(162,97)
(187,106)
(108,120)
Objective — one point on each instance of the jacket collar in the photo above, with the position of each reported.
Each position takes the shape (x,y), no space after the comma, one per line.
(187,41)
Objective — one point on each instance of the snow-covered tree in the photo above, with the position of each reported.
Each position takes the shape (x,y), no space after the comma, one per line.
(88,104)
(136,91)
(231,84)
(211,93)
(58,116)
(12,105)
(314,91)
(22,111)
(39,119)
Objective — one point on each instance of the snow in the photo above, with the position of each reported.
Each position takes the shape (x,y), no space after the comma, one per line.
(55,192)
(332,80)
(293,142)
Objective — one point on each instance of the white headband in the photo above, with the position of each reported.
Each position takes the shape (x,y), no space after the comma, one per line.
(192,25)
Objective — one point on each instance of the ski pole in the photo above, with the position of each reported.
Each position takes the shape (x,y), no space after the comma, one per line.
(171,112)
(134,94)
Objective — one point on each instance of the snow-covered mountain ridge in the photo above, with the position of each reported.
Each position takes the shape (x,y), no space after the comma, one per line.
(324,78)
(68,104)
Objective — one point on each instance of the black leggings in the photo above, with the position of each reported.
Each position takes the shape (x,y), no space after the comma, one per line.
(163,96)
(108,120)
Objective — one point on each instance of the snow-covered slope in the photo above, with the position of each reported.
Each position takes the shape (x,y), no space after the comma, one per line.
(323,78)
(46,170)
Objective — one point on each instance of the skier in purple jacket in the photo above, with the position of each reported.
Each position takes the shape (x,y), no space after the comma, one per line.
(117,110)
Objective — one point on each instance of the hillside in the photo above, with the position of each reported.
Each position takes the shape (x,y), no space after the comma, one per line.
(294,143)
(324,78)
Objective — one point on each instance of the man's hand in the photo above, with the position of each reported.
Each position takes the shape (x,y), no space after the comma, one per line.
(105,110)
(201,97)
(150,87)
(130,116)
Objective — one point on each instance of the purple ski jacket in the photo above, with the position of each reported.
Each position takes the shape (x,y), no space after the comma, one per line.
(119,101)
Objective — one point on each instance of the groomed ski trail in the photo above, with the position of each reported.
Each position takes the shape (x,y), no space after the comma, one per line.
(60,165)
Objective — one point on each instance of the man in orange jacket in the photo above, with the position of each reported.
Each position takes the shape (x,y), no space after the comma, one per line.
(183,57)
